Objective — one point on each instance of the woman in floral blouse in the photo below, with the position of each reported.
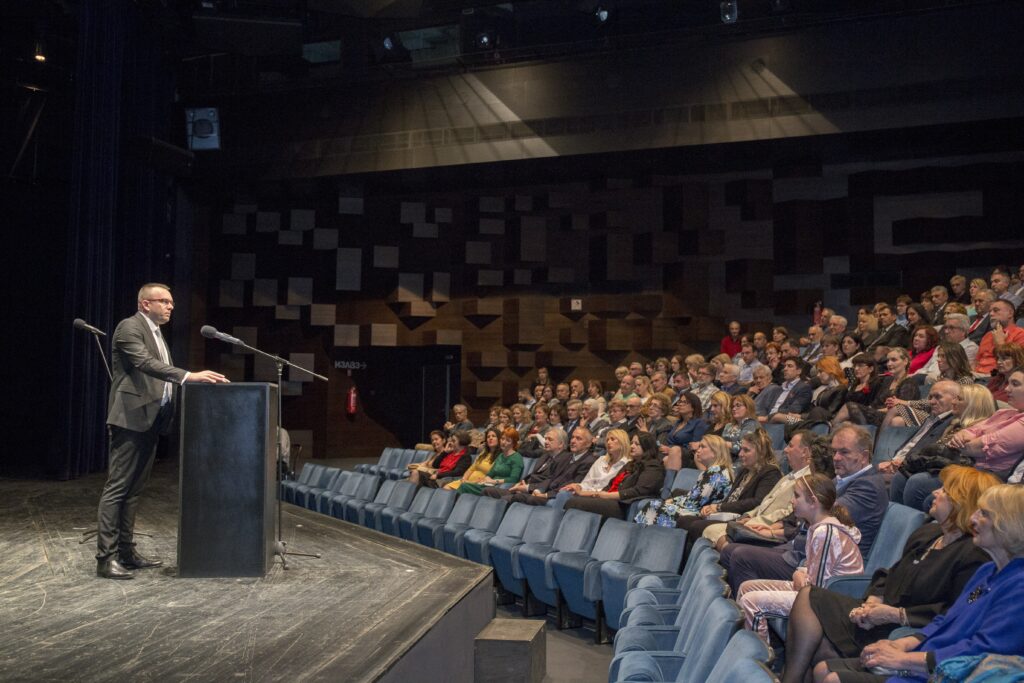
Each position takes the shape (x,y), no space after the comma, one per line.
(712,487)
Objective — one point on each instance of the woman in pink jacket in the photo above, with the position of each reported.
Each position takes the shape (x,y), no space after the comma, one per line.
(832,550)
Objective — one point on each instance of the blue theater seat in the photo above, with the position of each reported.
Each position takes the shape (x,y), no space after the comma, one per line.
(440,505)
(486,518)
(477,542)
(389,515)
(576,533)
(401,498)
(429,530)
(657,549)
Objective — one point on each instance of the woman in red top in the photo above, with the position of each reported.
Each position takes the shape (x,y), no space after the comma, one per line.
(922,346)
(448,465)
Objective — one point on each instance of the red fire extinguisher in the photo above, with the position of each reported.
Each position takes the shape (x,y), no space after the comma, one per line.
(352,398)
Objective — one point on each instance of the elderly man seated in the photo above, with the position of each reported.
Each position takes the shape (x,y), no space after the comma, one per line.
(555,469)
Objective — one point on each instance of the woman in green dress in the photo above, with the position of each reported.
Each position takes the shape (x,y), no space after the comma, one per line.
(507,468)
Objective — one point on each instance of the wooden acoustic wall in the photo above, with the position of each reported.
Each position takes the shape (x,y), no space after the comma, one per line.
(579,275)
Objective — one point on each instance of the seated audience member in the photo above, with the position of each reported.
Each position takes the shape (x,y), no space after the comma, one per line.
(493,414)
(643,388)
(828,397)
(652,418)
(897,385)
(849,347)
(616,420)
(763,390)
(556,468)
(866,383)
(558,415)
(543,378)
(780,334)
(943,399)
(521,420)
(983,619)
(704,386)
(918,315)
(507,466)
(831,550)
(747,363)
(730,344)
(958,290)
(795,397)
(742,420)
(662,364)
(830,347)
(1001,282)
(693,363)
(449,464)
(573,416)
(659,384)
(837,326)
(642,477)
(937,562)
(677,366)
(1008,357)
(889,333)
(459,420)
(627,388)
(718,362)
(806,454)
(712,454)
(438,445)
(922,347)
(812,351)
(562,394)
(594,418)
(689,429)
(728,380)
(636,368)
(758,474)
(950,364)
(867,328)
(532,445)
(982,323)
(595,390)
(504,418)
(484,461)
(940,298)
(718,413)
(607,466)
(861,490)
(1003,330)
(576,389)
(634,406)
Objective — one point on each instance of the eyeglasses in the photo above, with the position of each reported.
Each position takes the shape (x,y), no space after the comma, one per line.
(165,302)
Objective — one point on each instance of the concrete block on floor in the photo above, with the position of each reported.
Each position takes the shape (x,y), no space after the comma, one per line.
(511,651)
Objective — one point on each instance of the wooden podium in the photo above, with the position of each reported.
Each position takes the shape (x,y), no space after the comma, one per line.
(228,479)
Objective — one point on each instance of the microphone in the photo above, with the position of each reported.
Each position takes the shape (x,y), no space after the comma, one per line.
(211,333)
(82,325)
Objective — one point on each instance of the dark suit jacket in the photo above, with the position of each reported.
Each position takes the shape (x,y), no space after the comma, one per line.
(766,398)
(798,400)
(933,434)
(139,376)
(866,497)
(563,471)
(981,330)
(896,335)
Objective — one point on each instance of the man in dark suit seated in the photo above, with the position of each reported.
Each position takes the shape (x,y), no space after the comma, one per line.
(890,333)
(796,394)
(941,398)
(861,490)
(556,468)
(140,409)
(982,324)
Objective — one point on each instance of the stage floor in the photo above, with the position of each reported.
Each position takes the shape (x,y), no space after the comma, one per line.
(346,617)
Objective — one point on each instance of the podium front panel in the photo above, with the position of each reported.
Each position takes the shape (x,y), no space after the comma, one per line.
(227,479)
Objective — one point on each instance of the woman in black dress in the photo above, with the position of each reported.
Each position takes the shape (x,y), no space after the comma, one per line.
(938,560)
(897,385)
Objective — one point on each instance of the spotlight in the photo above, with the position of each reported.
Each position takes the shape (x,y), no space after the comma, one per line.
(730,11)
(484,40)
(389,43)
(602,14)
(40,52)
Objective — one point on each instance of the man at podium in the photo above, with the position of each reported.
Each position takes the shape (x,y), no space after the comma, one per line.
(140,409)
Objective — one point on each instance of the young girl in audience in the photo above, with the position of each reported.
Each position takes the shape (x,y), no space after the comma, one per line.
(832,550)
(713,485)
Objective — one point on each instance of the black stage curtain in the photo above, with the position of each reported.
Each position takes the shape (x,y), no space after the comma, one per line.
(120,212)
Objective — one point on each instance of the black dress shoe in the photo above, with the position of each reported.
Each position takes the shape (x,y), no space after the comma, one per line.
(112,569)
(133,560)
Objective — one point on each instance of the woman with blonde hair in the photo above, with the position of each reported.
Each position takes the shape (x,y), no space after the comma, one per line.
(606,467)
(831,547)
(742,421)
(719,413)
(643,387)
(693,363)
(712,453)
(937,562)
(867,327)
(983,620)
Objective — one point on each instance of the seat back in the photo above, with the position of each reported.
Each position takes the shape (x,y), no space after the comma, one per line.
(615,541)
(335,479)
(777,432)
(659,549)
(529,464)
(819,428)
(543,525)
(421,501)
(389,458)
(685,479)
(384,492)
(463,510)
(419,456)
(890,440)
(898,523)
(515,520)
(353,482)
(402,494)
(323,477)
(441,504)
(721,621)
(488,513)
(578,531)
(367,489)
(666,488)
(309,470)
(741,656)
(340,480)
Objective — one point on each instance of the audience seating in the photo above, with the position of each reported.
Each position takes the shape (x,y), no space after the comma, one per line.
(778,434)
(477,541)
(890,440)
(309,471)
(660,605)
(577,532)
(721,622)
(389,515)
(305,495)
(400,471)
(504,550)
(356,487)
(440,505)
(658,549)
(744,658)
(429,530)
(486,518)
(401,498)
(671,582)
(321,502)
(388,459)
(577,573)
(354,507)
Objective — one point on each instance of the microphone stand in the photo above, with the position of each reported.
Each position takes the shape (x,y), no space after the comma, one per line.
(92,533)
(103,356)
(281,546)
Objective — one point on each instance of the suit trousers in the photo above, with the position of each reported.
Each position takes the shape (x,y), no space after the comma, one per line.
(131,460)
(745,562)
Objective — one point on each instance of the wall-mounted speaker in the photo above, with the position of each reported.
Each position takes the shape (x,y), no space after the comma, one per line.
(202,128)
